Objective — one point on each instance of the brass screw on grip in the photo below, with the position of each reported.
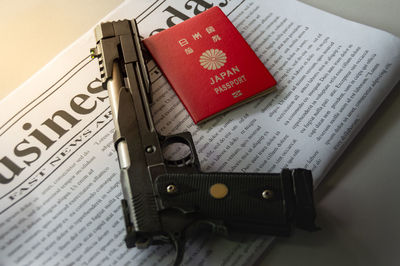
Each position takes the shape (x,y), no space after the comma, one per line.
(171,189)
(267,194)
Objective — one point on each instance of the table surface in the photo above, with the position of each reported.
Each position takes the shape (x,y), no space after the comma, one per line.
(358,202)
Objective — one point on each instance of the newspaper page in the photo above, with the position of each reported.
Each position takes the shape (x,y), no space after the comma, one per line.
(59,175)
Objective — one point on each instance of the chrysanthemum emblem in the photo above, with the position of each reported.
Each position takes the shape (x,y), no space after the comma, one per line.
(213,59)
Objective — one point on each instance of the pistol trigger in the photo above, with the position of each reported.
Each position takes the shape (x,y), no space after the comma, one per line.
(179,244)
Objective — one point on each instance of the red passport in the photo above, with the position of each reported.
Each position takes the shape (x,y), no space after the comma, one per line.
(209,65)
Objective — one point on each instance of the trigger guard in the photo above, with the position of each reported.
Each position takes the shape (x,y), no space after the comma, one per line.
(189,159)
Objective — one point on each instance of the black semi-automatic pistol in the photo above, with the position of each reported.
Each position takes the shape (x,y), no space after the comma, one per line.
(164,197)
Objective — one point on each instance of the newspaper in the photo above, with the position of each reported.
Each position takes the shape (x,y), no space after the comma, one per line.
(59,176)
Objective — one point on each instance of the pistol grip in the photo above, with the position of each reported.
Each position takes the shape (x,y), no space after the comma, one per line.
(260,203)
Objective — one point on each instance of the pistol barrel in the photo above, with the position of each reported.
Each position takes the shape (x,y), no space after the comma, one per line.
(114,86)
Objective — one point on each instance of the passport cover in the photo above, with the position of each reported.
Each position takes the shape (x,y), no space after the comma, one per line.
(209,65)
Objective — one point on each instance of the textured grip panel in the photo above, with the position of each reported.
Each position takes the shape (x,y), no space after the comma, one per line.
(244,202)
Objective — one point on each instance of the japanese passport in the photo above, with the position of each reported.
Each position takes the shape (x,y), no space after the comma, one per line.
(209,65)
